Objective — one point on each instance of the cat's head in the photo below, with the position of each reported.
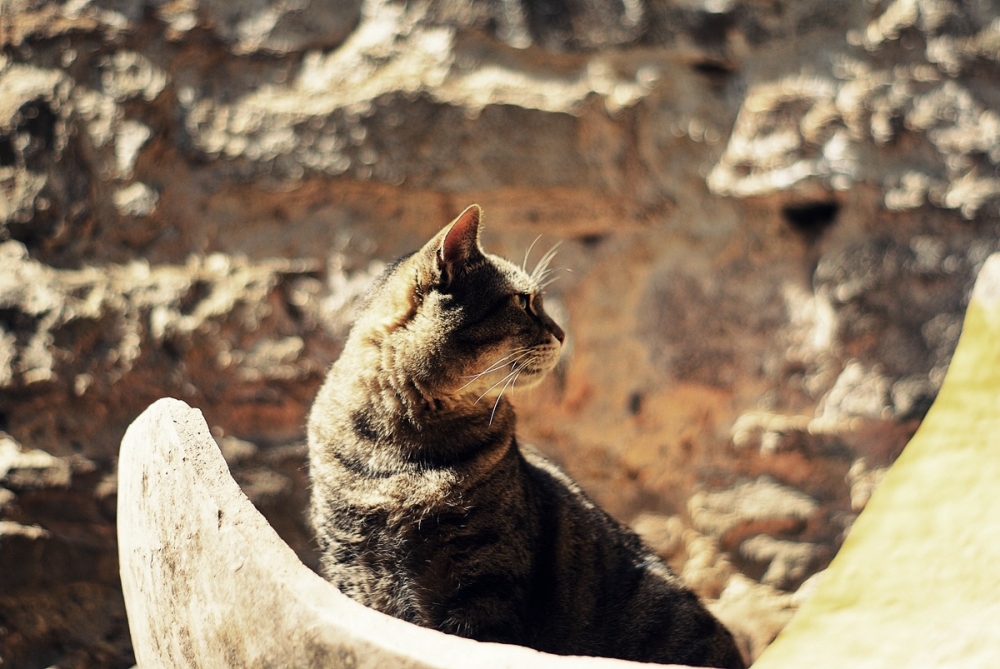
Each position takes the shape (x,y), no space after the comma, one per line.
(459,321)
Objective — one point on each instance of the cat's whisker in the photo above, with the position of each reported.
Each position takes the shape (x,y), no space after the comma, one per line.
(543,285)
(549,270)
(497,403)
(508,375)
(496,366)
(524,265)
(498,363)
(491,387)
(513,384)
(543,263)
(505,378)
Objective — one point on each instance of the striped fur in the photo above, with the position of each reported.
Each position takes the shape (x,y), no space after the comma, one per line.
(426,507)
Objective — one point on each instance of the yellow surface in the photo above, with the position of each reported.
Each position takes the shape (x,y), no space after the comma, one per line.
(917,583)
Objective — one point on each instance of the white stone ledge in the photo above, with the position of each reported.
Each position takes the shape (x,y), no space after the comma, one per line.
(208,583)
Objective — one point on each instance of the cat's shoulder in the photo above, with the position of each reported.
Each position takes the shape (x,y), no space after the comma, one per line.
(553,475)
(535,458)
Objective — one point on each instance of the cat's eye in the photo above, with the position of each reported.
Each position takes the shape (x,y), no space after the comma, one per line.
(523,300)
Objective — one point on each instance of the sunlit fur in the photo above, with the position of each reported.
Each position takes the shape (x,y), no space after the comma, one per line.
(425,506)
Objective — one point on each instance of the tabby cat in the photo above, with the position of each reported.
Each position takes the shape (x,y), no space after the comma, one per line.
(426,507)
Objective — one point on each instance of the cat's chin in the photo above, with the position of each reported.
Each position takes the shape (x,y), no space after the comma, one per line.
(529,379)
(482,392)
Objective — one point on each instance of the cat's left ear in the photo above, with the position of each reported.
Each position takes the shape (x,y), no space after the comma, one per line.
(460,243)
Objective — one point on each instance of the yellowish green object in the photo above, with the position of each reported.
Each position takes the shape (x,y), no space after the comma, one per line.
(917,582)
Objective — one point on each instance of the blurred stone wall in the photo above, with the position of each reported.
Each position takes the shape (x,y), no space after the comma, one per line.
(770,216)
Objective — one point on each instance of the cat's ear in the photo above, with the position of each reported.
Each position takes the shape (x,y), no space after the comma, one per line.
(459,243)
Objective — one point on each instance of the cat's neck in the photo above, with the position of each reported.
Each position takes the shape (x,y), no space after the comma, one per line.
(412,411)
(404,413)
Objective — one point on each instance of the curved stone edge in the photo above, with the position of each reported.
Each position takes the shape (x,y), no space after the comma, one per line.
(916,583)
(208,583)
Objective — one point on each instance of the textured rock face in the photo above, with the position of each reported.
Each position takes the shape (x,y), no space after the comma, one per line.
(772,215)
(916,577)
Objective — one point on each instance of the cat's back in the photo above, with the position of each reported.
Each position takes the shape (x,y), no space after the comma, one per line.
(608,594)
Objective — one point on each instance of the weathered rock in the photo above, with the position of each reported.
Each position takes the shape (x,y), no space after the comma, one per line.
(60,595)
(788,562)
(916,577)
(863,482)
(753,612)
(706,568)
(274,25)
(34,469)
(664,534)
(761,505)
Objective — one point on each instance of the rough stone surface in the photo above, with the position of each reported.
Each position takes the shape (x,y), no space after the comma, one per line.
(771,214)
(916,578)
(755,613)
(203,573)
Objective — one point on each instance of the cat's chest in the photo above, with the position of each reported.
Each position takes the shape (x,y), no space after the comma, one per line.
(384,489)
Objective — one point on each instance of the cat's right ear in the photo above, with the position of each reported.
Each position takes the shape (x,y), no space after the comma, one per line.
(459,243)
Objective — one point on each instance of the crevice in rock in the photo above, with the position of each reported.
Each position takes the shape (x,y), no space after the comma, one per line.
(811,219)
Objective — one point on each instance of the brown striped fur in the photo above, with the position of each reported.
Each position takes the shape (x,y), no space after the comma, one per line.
(427,508)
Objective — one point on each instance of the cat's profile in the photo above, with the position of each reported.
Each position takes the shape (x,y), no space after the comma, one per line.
(426,507)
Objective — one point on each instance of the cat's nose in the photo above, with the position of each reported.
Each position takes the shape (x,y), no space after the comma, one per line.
(557,332)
